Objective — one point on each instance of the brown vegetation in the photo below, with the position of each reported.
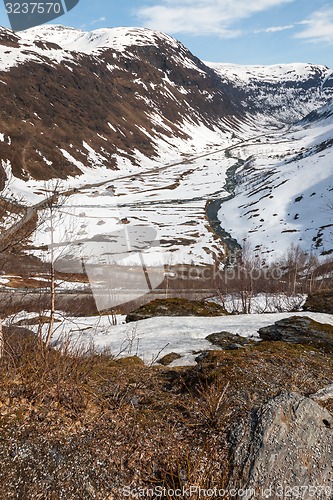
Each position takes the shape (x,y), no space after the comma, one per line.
(86,425)
(320,301)
(295,273)
(176,307)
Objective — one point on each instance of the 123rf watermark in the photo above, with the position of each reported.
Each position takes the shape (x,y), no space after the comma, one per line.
(272,492)
(25,14)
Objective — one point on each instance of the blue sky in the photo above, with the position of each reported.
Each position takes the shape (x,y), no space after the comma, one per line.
(238,31)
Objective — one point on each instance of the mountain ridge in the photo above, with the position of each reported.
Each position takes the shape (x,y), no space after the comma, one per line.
(154,73)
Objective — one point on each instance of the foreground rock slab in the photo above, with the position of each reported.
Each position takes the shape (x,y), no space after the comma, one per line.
(285,450)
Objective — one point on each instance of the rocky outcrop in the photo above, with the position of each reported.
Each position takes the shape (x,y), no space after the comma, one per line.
(228,341)
(169,358)
(284,450)
(175,307)
(323,394)
(300,330)
(320,302)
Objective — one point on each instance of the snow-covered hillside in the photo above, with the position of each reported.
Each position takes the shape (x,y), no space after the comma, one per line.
(284,190)
(110,98)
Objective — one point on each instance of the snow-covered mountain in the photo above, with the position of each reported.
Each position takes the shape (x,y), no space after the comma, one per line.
(285,92)
(72,99)
(132,113)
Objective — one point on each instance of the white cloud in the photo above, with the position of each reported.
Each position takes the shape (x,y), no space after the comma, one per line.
(202,17)
(99,20)
(319,27)
(274,29)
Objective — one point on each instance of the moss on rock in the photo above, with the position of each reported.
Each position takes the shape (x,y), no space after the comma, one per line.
(228,341)
(176,307)
(300,330)
(169,358)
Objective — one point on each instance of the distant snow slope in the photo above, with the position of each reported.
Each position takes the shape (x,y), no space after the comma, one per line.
(283,191)
(281,73)
(275,89)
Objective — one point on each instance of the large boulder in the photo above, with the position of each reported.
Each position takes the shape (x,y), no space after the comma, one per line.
(175,307)
(320,302)
(284,450)
(300,330)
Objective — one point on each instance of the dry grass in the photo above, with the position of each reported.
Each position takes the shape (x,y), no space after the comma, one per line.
(85,425)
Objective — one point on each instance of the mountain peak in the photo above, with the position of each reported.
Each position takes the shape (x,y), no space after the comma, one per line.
(119,38)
